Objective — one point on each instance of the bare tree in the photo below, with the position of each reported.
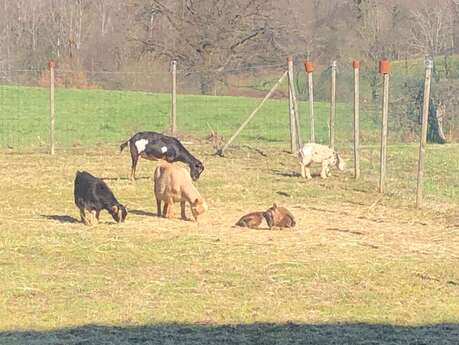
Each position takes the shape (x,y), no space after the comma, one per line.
(430,32)
(207,36)
(212,37)
(455,25)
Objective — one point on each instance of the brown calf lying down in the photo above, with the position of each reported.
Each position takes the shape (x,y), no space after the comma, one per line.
(274,216)
(253,220)
(173,184)
(282,218)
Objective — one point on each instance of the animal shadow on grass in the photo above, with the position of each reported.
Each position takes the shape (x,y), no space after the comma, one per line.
(283,193)
(286,173)
(142,213)
(123,178)
(314,174)
(244,334)
(254,229)
(72,220)
(346,231)
(61,218)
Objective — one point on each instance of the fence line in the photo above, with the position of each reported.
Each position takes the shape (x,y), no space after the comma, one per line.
(332,106)
(423,136)
(309,67)
(294,128)
(384,70)
(174,98)
(238,86)
(51,106)
(295,132)
(150,72)
(222,150)
(86,117)
(356,123)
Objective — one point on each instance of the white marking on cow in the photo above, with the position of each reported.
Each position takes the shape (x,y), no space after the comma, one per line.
(164,149)
(305,155)
(140,144)
(307,150)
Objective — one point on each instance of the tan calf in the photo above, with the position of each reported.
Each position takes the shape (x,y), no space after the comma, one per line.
(173,184)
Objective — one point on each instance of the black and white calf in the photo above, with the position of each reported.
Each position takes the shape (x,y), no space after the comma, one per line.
(93,195)
(155,146)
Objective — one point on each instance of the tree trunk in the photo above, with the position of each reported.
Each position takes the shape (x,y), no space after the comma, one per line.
(435,132)
(455,28)
(439,115)
(7,36)
(374,85)
(206,82)
(207,76)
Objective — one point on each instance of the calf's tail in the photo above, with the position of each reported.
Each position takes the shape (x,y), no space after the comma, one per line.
(123,146)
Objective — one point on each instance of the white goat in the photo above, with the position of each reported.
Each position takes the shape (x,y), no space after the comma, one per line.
(315,153)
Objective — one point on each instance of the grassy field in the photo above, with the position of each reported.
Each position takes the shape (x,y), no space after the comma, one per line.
(358,268)
(88,117)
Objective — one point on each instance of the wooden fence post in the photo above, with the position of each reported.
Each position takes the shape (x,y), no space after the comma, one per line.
(173,119)
(356,66)
(51,66)
(423,139)
(291,111)
(384,69)
(309,67)
(332,106)
(296,116)
(222,150)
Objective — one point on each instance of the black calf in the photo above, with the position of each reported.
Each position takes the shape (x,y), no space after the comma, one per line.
(93,195)
(154,146)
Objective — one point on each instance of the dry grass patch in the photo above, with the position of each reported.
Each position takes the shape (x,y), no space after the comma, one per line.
(356,264)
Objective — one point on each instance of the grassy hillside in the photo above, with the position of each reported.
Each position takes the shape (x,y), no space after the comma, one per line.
(95,116)
(89,117)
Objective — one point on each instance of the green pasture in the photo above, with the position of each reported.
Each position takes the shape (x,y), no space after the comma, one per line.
(89,117)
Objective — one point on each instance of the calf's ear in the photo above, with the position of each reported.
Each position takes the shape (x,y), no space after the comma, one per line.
(115,209)
(269,219)
(123,213)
